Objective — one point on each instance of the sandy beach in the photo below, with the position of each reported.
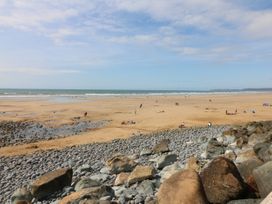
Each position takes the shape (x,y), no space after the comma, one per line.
(128,117)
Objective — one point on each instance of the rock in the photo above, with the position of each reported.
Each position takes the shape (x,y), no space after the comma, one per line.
(104,170)
(222,181)
(214,148)
(120,163)
(182,187)
(121,179)
(100,178)
(245,155)
(246,201)
(86,183)
(193,164)
(84,168)
(246,171)
(268,199)
(168,171)
(119,190)
(264,151)
(94,193)
(161,147)
(141,173)
(51,182)
(230,154)
(146,152)
(166,160)
(146,188)
(263,178)
(21,195)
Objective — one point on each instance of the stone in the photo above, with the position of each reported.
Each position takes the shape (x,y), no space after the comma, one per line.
(86,183)
(245,155)
(146,188)
(263,178)
(141,173)
(100,178)
(121,178)
(51,182)
(84,168)
(182,187)
(246,201)
(119,190)
(168,171)
(94,193)
(120,163)
(222,181)
(166,160)
(193,163)
(146,152)
(230,154)
(268,199)
(264,151)
(161,147)
(246,171)
(214,148)
(104,170)
(94,201)
(21,195)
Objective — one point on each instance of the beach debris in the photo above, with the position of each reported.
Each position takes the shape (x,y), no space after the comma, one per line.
(232,113)
(85,114)
(128,122)
(181,126)
(177,104)
(267,104)
(141,105)
(209,124)
(210,100)
(162,111)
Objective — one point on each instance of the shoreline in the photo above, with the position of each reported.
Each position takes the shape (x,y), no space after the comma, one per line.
(127,118)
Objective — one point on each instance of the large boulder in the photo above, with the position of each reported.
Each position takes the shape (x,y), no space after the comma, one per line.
(161,147)
(93,194)
(51,182)
(222,181)
(21,195)
(182,187)
(263,178)
(268,199)
(120,163)
(246,171)
(141,173)
(264,151)
(246,201)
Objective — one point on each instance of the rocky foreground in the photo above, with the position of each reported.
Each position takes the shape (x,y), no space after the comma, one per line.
(199,165)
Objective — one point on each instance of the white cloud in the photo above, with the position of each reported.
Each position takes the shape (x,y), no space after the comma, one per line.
(106,21)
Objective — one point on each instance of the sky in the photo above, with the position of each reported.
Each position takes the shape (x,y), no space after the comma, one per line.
(136,44)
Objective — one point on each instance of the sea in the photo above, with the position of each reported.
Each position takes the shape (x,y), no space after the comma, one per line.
(63,94)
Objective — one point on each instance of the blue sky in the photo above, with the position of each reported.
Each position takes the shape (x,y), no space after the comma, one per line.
(135,44)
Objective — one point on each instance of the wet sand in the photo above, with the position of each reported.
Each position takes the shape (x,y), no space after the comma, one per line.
(157,113)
